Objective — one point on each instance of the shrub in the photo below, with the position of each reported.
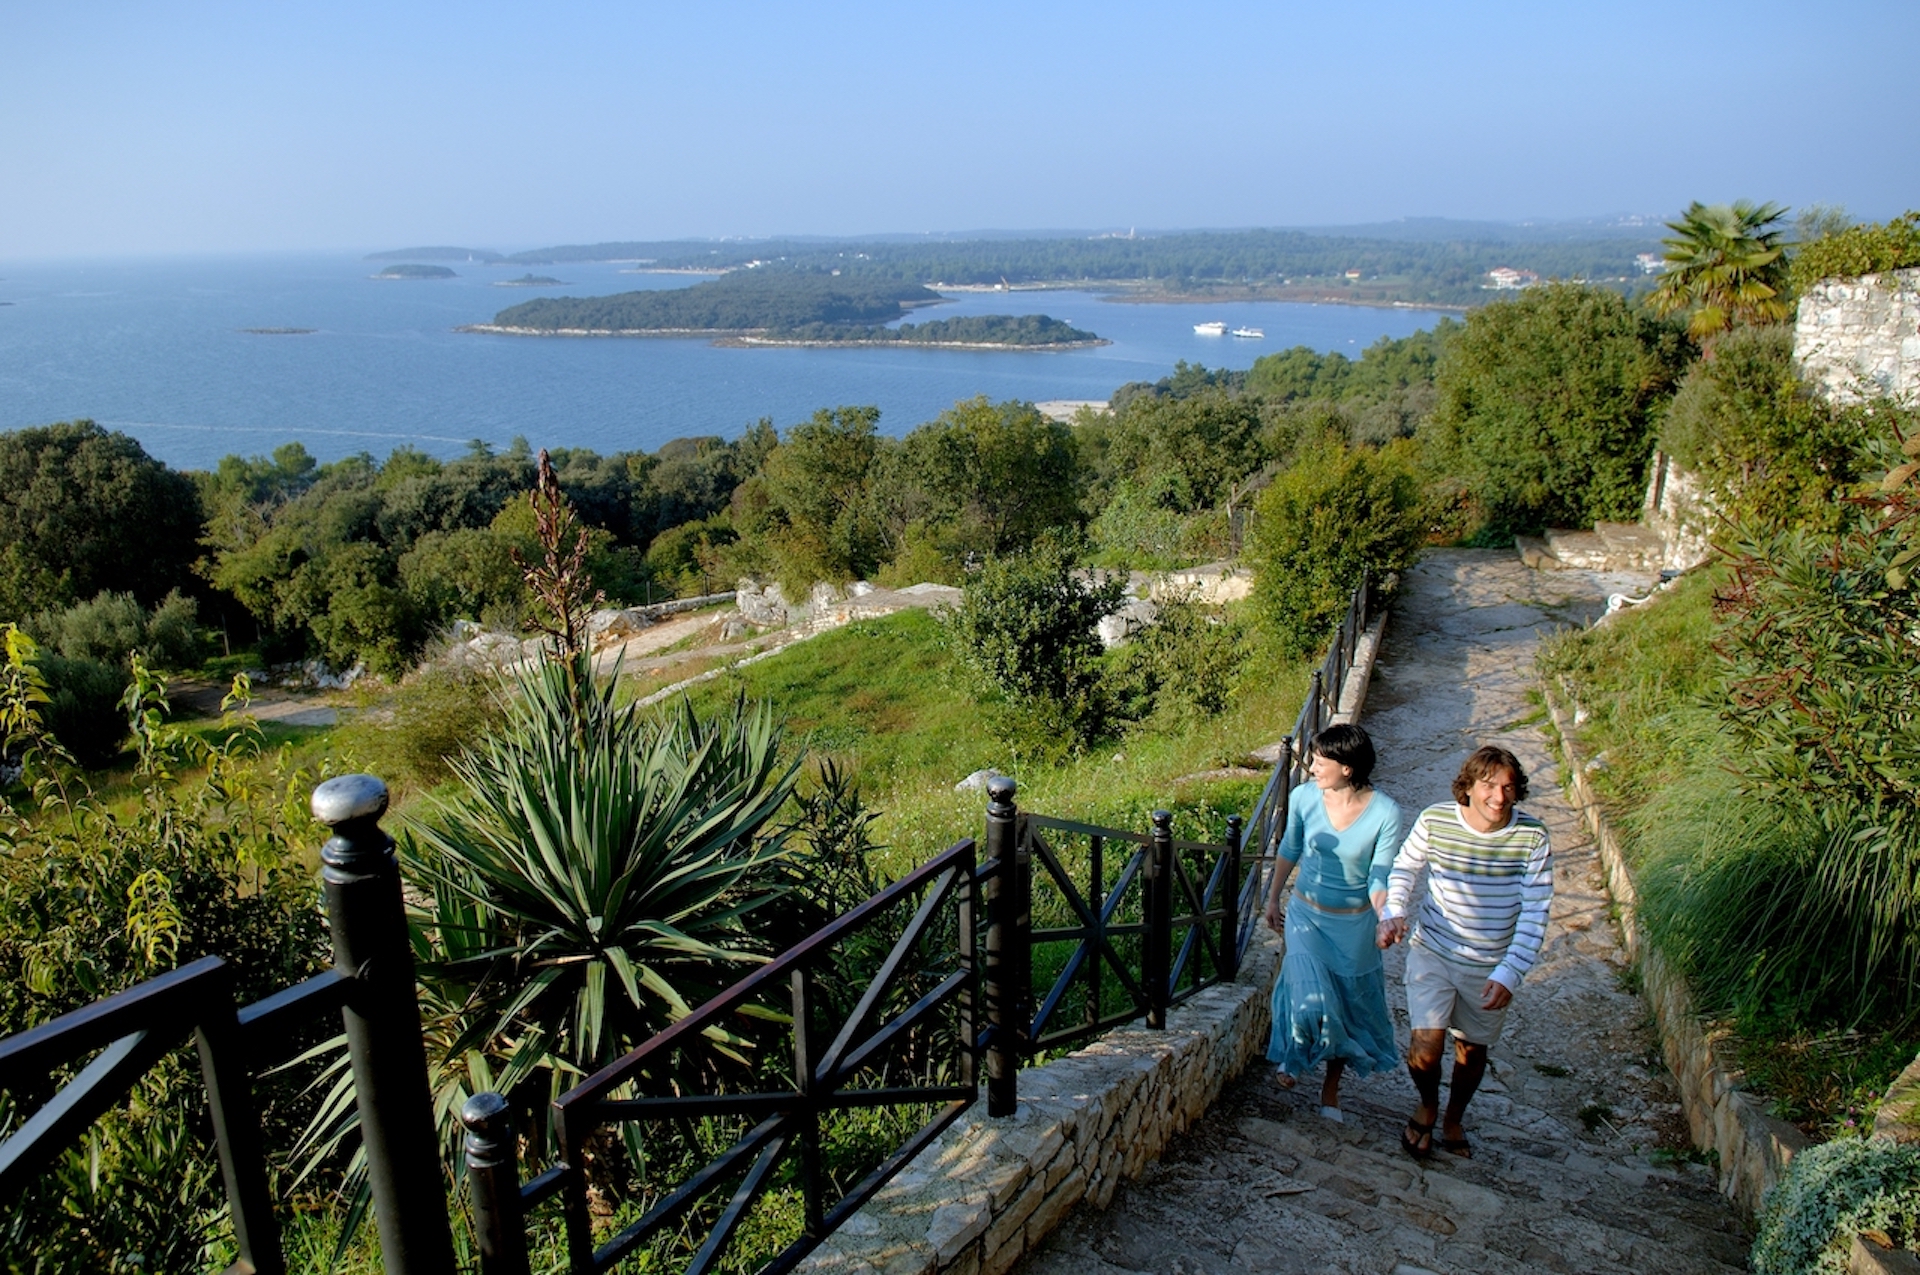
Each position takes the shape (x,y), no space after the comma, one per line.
(1549,405)
(410,734)
(94,899)
(112,626)
(1768,451)
(1026,628)
(1858,250)
(1179,668)
(83,708)
(1338,512)
(1831,1192)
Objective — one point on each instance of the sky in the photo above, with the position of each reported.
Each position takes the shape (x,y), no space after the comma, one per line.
(181,128)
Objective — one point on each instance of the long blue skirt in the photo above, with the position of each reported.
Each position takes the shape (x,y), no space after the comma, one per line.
(1330,1000)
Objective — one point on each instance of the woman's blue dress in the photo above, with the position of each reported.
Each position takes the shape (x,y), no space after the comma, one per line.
(1331,997)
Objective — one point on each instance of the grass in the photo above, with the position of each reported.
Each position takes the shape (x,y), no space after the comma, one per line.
(883,699)
(1719,870)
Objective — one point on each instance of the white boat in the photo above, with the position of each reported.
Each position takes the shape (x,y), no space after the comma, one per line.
(1210,329)
(1252,333)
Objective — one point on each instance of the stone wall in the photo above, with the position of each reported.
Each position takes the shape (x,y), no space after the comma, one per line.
(1677,507)
(1860,338)
(1752,1146)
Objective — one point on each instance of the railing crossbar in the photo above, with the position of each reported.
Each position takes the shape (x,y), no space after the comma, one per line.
(889,971)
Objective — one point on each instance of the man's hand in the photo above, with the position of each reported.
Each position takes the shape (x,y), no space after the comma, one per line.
(1391,931)
(1495,995)
(1276,917)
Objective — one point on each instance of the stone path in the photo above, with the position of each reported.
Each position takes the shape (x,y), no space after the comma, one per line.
(1576,1129)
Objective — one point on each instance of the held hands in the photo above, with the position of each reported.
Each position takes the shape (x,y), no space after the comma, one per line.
(1276,916)
(1495,995)
(1391,931)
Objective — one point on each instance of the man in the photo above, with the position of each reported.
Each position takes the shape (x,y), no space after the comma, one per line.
(1489,883)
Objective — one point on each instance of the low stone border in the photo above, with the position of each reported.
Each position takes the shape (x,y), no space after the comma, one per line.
(1753,1147)
(988,1191)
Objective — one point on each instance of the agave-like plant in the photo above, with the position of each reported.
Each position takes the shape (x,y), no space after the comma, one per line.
(589,882)
(591,879)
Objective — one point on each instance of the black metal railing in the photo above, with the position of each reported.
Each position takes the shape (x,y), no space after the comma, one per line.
(371,986)
(904,1042)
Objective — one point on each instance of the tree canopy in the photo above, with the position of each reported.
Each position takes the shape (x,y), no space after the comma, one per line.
(84,510)
(1726,264)
(1549,404)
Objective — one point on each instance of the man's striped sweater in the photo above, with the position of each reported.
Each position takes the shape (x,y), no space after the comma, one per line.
(1487,892)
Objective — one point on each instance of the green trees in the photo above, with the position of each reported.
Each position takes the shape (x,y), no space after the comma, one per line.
(1026,628)
(1338,511)
(816,483)
(83,510)
(1548,406)
(1726,264)
(1769,452)
(990,477)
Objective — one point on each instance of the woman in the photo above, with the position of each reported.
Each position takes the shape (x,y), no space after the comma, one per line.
(1330,1004)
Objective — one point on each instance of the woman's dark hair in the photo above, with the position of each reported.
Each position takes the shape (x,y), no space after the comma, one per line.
(1484,762)
(1349,746)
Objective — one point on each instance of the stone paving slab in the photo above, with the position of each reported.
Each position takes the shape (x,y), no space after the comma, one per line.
(1580,1152)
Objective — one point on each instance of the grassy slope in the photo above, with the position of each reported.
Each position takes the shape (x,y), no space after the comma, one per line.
(882,697)
(1648,683)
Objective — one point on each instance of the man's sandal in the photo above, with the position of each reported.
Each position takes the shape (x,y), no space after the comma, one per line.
(1457,1146)
(1417,1139)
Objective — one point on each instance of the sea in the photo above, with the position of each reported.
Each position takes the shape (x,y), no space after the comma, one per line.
(200,358)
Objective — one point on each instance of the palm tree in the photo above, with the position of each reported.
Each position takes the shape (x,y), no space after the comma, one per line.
(1727,264)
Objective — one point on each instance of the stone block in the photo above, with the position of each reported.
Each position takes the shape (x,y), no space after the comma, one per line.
(1059,1202)
(956,1225)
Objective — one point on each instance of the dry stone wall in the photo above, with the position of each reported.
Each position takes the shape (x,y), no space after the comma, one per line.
(1860,338)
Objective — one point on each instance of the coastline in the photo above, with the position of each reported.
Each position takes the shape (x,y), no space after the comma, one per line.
(737,338)
(1132,292)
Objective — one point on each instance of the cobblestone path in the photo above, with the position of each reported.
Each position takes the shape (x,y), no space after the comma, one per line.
(1579,1161)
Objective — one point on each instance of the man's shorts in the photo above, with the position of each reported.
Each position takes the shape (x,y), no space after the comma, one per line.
(1443,993)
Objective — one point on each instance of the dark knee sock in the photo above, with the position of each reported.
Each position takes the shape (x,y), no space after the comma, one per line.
(1468,1068)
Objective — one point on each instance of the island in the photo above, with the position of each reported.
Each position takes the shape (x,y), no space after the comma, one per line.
(436,253)
(531,281)
(410,270)
(976,332)
(771,305)
(279,331)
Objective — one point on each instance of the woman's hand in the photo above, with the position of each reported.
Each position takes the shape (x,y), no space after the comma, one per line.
(1276,916)
(1391,931)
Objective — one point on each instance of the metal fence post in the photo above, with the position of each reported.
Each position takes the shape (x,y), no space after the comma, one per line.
(1009,927)
(1230,897)
(361,879)
(493,1185)
(1156,961)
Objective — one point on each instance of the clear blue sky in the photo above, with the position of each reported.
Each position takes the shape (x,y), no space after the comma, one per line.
(157,127)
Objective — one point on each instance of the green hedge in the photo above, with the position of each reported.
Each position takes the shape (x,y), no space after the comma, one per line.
(1859,250)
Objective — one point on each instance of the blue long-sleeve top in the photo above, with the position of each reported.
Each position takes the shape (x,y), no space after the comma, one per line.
(1339,869)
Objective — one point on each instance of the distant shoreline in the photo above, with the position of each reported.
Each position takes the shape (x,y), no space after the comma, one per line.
(735,338)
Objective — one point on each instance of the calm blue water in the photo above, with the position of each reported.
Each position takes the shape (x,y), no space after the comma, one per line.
(157,349)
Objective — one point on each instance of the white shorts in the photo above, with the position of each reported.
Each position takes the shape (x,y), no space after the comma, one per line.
(1442,993)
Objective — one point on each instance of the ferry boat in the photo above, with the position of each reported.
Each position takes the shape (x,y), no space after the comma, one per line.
(1210,329)
(1254,334)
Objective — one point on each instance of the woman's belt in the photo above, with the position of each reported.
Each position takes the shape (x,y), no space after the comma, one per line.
(1321,907)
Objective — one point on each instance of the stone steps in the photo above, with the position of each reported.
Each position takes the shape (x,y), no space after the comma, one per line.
(1567,1175)
(1610,546)
(1272,1187)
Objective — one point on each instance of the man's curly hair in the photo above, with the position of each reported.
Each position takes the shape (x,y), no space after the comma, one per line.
(1484,762)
